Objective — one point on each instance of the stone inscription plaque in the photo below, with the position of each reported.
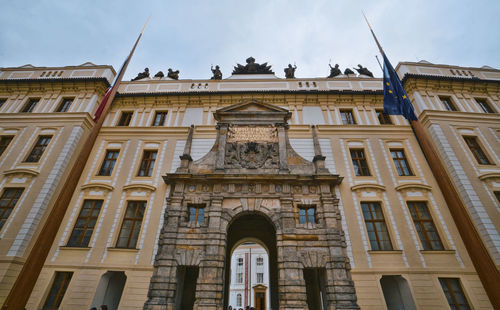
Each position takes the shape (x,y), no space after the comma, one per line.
(252,134)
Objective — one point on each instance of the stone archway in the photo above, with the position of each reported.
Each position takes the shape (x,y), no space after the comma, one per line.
(253,225)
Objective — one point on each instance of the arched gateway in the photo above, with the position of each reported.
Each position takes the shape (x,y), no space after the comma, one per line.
(252,184)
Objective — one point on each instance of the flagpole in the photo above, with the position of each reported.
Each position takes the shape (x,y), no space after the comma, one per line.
(25,282)
(481,259)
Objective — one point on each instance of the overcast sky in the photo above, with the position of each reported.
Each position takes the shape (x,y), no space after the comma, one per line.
(191,35)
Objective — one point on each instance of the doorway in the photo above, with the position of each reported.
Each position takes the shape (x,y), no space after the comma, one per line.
(256,228)
(109,290)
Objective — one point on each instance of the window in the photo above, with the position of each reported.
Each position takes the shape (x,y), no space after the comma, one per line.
(65,104)
(306,214)
(131,225)
(454,293)
(85,223)
(359,162)
(260,277)
(476,150)
(8,201)
(448,105)
(376,227)
(402,165)
(30,106)
(239,277)
(497,194)
(425,226)
(109,162)
(38,149)
(347,117)
(384,119)
(238,300)
(147,164)
(160,118)
(239,270)
(57,291)
(240,262)
(484,105)
(260,261)
(2,101)
(197,213)
(125,118)
(4,143)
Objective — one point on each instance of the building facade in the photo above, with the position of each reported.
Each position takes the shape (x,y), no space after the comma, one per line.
(400,243)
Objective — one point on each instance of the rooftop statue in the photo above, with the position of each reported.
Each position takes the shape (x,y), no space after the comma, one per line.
(348,71)
(334,71)
(252,68)
(290,71)
(217,74)
(142,75)
(364,71)
(173,74)
(159,74)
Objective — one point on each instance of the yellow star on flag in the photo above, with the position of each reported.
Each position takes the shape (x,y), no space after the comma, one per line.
(404,97)
(390,91)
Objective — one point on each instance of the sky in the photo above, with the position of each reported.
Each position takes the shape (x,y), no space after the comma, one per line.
(190,36)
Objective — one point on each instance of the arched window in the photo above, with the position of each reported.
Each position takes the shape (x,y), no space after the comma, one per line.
(238,300)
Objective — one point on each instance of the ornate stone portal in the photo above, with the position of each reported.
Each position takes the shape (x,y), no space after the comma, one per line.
(252,186)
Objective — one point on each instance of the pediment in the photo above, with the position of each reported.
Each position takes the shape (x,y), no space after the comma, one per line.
(252,111)
(252,105)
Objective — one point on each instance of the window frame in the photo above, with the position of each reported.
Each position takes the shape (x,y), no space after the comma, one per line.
(62,107)
(108,171)
(3,101)
(30,105)
(452,292)
(404,159)
(449,105)
(67,276)
(147,165)
(381,244)
(422,230)
(80,243)
(484,105)
(359,161)
(306,208)
(3,146)
(18,191)
(477,150)
(125,118)
(135,221)
(383,118)
(38,156)
(163,118)
(347,120)
(197,218)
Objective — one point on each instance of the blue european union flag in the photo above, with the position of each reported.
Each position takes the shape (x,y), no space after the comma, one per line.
(396,100)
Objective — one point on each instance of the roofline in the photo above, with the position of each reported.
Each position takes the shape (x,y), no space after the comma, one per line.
(301,92)
(446,78)
(83,79)
(443,66)
(57,68)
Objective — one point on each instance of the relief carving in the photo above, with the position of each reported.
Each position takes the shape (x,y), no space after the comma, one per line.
(251,155)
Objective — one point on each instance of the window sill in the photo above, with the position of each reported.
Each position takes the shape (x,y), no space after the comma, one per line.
(386,252)
(437,251)
(114,249)
(78,248)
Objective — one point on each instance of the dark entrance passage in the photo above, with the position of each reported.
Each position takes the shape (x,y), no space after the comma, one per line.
(315,279)
(253,225)
(186,281)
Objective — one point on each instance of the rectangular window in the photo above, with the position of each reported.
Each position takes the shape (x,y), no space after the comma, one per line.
(65,104)
(85,223)
(4,143)
(476,150)
(30,106)
(484,105)
(260,277)
(424,224)
(401,163)
(109,162)
(8,201)
(37,151)
(454,293)
(147,164)
(448,105)
(306,214)
(125,118)
(359,162)
(2,101)
(197,213)
(384,119)
(131,225)
(160,118)
(239,277)
(376,227)
(57,291)
(347,117)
